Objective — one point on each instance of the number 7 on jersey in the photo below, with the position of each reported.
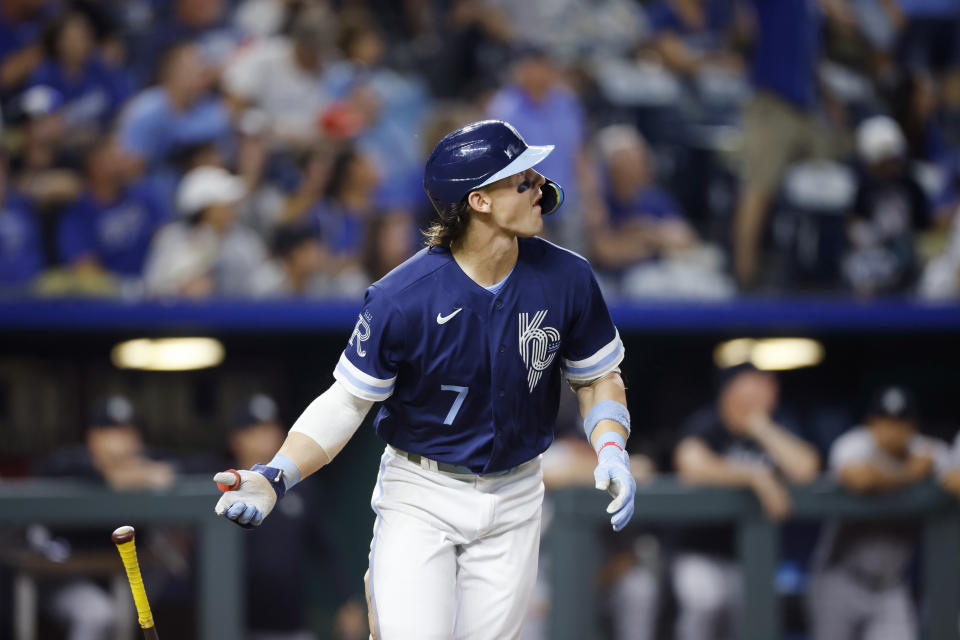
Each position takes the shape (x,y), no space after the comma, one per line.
(457,403)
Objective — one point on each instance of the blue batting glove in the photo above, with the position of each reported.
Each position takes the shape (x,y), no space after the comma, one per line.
(613,474)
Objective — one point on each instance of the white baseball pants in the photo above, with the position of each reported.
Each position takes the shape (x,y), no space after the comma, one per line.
(453,555)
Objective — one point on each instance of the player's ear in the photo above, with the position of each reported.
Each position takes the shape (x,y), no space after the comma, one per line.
(479,201)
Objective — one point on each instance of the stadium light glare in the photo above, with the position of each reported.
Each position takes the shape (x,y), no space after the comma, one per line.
(168,354)
(770,354)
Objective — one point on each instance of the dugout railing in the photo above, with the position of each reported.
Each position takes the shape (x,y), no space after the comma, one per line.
(573,553)
(571,547)
(220,584)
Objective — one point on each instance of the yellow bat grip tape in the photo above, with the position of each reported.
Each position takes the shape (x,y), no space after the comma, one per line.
(128,553)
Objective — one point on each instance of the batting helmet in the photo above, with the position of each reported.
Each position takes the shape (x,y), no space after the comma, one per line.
(480,154)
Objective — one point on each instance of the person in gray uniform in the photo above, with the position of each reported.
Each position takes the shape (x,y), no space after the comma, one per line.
(859,588)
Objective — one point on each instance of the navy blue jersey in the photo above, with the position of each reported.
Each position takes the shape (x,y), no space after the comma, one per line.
(470,377)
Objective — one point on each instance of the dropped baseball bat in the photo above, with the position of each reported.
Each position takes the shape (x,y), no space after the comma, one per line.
(123,537)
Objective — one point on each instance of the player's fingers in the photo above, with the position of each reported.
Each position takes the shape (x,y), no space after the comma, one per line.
(617,490)
(622,517)
(249,513)
(224,503)
(236,510)
(602,477)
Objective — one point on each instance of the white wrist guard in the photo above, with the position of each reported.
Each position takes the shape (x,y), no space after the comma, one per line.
(332,418)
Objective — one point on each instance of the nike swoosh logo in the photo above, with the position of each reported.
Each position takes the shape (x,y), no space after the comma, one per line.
(442,319)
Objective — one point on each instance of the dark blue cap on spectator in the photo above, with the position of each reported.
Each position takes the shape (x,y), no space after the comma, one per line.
(288,237)
(474,156)
(256,409)
(726,375)
(112,411)
(893,402)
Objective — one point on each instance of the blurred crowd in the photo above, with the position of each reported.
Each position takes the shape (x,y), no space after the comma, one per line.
(842,579)
(274,148)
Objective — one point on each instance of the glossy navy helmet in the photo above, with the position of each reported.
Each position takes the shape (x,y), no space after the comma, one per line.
(480,154)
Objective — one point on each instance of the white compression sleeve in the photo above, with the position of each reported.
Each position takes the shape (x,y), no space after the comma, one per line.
(332,418)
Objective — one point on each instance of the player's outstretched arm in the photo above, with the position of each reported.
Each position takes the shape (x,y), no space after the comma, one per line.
(321,431)
(603,404)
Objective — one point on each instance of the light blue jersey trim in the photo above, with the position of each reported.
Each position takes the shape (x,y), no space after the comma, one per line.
(597,368)
(360,388)
(495,288)
(600,366)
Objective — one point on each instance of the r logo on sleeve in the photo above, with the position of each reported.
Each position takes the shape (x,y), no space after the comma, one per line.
(361,332)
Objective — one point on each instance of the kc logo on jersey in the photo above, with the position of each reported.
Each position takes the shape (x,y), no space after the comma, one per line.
(361,332)
(537,345)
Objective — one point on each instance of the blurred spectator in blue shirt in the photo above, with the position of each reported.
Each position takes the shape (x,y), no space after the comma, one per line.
(642,220)
(638,235)
(21,23)
(779,125)
(545,111)
(91,91)
(385,108)
(109,228)
(21,250)
(691,34)
(203,22)
(180,112)
(344,215)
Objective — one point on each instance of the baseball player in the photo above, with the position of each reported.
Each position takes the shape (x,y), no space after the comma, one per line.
(465,345)
(859,588)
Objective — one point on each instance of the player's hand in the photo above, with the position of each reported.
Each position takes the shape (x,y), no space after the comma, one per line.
(919,466)
(772,495)
(613,474)
(951,482)
(250,502)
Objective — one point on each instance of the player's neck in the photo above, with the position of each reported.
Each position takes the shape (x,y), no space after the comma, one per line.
(486,258)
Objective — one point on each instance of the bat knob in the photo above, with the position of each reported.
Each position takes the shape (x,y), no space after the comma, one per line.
(123,534)
(228,480)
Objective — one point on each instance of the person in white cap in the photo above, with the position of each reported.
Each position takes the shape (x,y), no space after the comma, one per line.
(206,252)
(890,207)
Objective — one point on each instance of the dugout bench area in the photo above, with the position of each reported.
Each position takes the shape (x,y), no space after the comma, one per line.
(579,515)
(571,546)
